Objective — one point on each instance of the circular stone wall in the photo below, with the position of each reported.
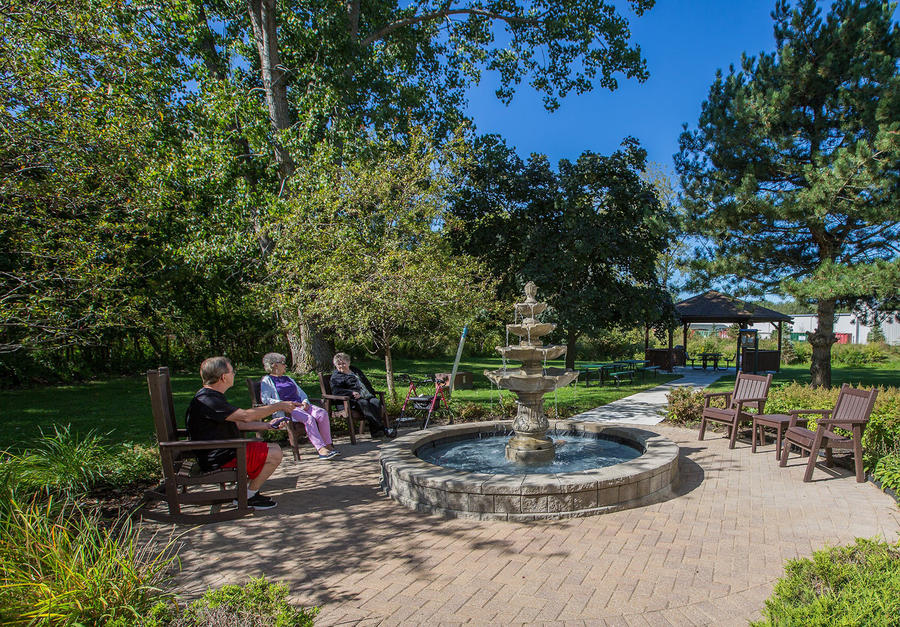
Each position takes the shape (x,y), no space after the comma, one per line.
(434,489)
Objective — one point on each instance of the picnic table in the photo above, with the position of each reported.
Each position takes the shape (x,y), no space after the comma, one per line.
(586,368)
(706,357)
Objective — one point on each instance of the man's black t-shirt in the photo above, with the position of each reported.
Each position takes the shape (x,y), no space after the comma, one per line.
(206,420)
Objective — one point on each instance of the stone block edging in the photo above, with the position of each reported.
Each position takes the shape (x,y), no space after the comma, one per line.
(427,488)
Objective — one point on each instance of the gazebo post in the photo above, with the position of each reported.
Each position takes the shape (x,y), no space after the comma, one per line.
(671,359)
(646,340)
(684,337)
(738,360)
(780,323)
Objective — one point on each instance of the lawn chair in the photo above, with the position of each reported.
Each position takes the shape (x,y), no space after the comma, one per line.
(750,392)
(296,430)
(424,404)
(181,473)
(850,413)
(339,407)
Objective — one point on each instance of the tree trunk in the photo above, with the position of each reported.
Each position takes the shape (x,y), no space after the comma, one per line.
(571,340)
(315,351)
(389,369)
(821,340)
(265,32)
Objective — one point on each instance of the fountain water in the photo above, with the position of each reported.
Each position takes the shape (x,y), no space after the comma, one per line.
(530,444)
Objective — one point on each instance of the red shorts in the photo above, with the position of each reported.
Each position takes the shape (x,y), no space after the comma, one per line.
(256,458)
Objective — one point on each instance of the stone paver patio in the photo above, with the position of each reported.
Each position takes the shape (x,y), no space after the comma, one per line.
(709,556)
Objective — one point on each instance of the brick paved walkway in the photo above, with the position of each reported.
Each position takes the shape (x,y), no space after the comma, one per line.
(708,556)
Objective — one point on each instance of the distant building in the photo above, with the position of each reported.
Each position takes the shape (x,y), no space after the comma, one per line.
(847,326)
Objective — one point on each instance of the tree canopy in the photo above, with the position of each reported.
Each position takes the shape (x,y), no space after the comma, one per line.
(792,173)
(589,235)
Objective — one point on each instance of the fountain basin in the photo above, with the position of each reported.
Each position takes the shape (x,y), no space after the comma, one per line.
(520,381)
(428,488)
(531,353)
(531,331)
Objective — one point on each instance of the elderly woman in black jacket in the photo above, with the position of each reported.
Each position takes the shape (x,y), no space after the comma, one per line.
(347,380)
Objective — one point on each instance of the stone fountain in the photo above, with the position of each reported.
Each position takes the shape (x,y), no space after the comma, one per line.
(459,469)
(530,444)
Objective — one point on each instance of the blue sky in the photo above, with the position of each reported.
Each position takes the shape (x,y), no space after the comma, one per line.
(684,42)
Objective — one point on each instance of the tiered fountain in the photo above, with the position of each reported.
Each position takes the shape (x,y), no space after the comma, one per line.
(530,444)
(592,468)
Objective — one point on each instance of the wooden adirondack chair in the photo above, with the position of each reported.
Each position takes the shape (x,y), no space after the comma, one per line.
(851,413)
(296,430)
(339,407)
(182,477)
(750,392)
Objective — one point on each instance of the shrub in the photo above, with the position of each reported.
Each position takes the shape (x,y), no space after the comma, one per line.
(858,355)
(470,412)
(61,566)
(685,406)
(789,353)
(70,465)
(887,471)
(130,464)
(876,335)
(854,585)
(64,463)
(257,604)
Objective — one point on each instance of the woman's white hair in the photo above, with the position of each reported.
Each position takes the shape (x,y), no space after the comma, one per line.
(270,359)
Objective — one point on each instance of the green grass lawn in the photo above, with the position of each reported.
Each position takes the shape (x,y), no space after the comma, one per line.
(119,408)
(886,374)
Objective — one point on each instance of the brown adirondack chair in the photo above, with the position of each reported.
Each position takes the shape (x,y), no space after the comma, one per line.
(295,430)
(851,413)
(182,477)
(750,392)
(339,407)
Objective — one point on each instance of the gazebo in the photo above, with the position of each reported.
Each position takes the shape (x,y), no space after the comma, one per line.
(712,307)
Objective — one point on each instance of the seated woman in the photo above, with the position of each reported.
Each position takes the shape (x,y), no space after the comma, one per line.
(347,380)
(276,386)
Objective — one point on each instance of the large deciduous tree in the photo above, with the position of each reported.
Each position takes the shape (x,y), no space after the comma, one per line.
(588,235)
(328,69)
(83,119)
(792,173)
(373,230)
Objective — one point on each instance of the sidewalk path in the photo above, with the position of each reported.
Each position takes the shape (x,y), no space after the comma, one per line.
(647,408)
(708,556)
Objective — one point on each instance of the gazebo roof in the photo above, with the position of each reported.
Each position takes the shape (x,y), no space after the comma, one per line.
(714,306)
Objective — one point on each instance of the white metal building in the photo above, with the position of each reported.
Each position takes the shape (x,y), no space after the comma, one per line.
(845,324)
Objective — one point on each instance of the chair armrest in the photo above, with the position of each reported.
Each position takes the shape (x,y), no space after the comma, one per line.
(824,412)
(335,397)
(712,395)
(209,444)
(741,401)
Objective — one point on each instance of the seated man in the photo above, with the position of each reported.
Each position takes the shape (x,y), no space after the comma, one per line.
(211,417)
